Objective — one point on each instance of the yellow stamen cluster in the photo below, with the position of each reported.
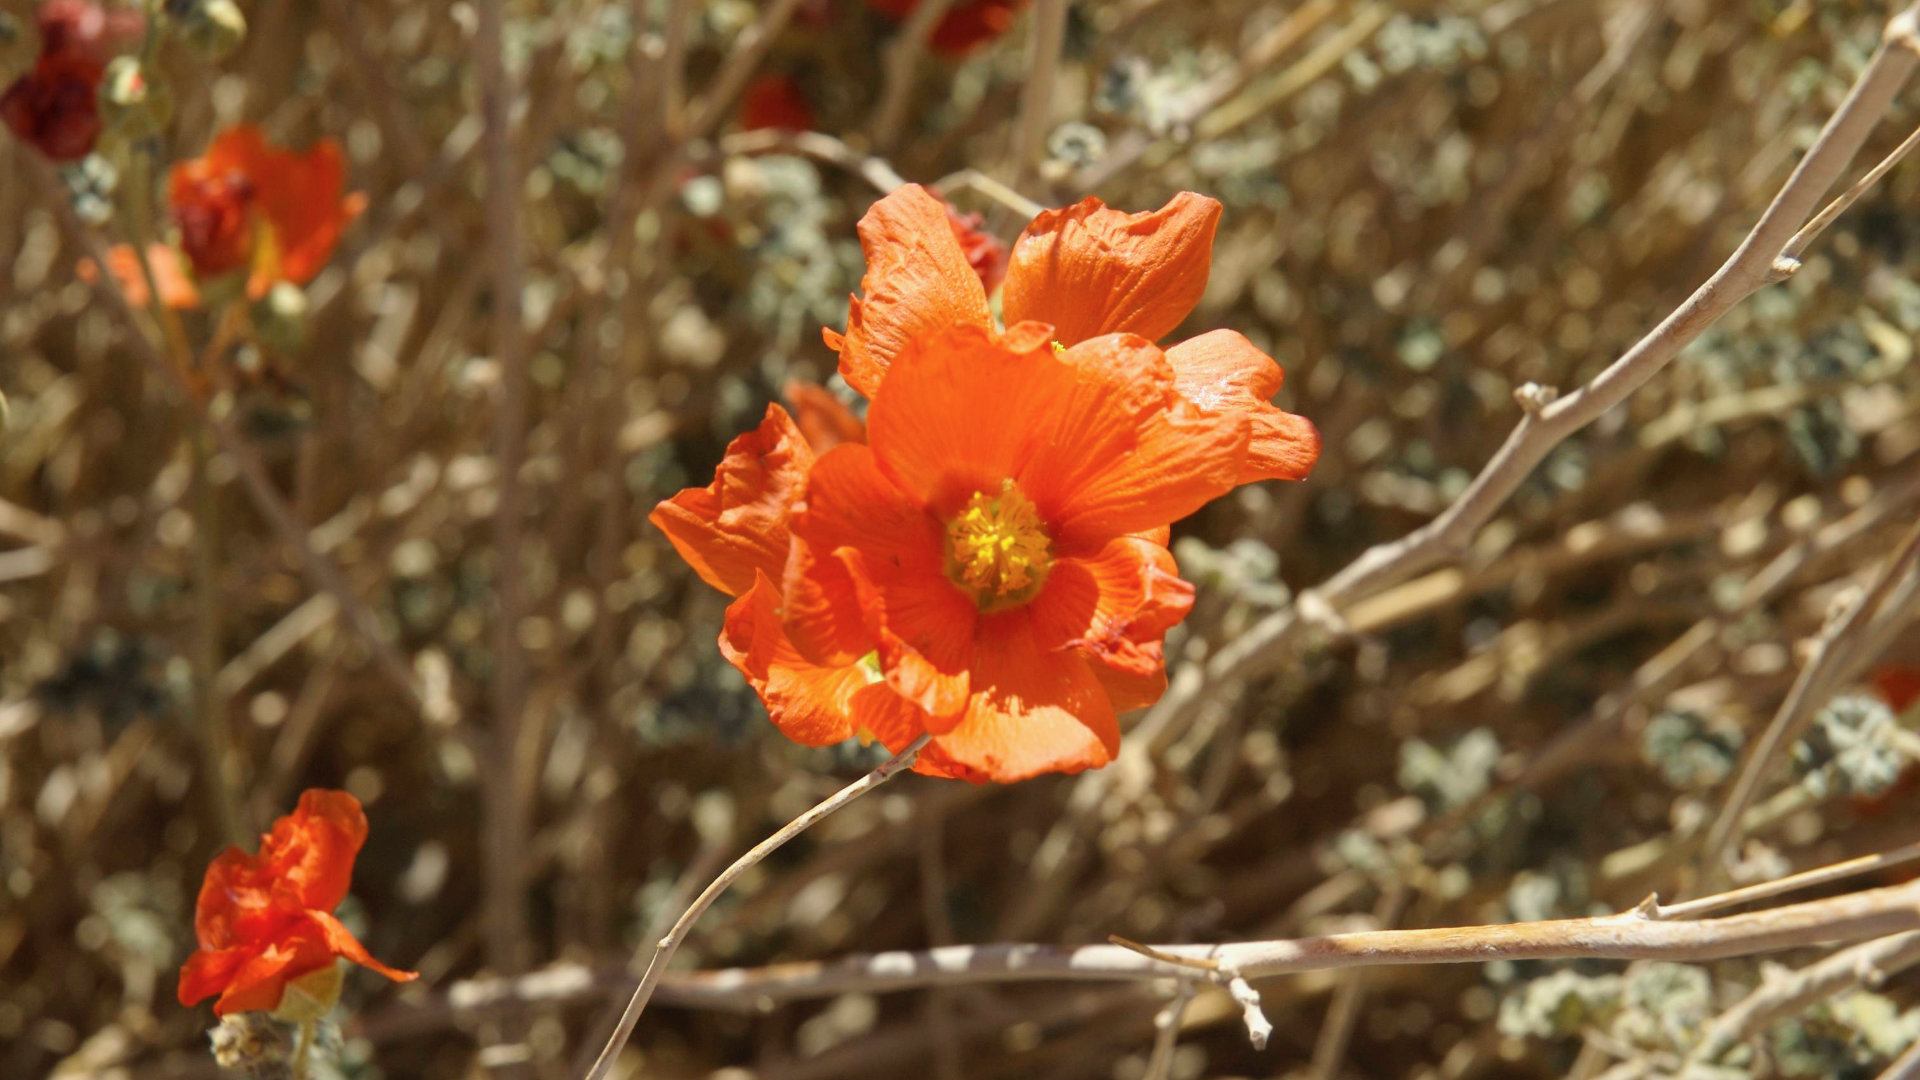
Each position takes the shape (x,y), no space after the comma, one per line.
(998,548)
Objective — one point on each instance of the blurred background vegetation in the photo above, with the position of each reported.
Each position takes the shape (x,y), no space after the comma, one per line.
(1428,204)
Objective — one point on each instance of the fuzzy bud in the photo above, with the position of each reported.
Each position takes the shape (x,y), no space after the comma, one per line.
(212,28)
(132,103)
(280,317)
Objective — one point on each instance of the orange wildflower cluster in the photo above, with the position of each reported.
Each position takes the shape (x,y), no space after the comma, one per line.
(266,920)
(989,565)
(246,206)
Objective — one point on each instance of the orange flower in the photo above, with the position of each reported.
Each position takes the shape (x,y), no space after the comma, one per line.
(775,101)
(823,418)
(733,532)
(1898,686)
(244,205)
(247,203)
(176,285)
(1085,271)
(996,553)
(965,26)
(265,920)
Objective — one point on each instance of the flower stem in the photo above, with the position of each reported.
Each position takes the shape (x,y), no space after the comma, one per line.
(302,1050)
(670,943)
(216,743)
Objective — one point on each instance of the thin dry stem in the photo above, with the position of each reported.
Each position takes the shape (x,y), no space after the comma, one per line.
(671,941)
(1036,97)
(902,67)
(1630,935)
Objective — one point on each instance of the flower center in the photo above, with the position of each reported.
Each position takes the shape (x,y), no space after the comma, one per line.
(997,547)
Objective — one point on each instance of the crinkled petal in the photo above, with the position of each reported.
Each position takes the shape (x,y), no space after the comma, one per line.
(1124,452)
(210,971)
(881,714)
(736,526)
(310,852)
(918,282)
(1222,372)
(868,574)
(341,942)
(923,627)
(963,411)
(1113,609)
(1033,710)
(824,418)
(259,983)
(810,704)
(1089,270)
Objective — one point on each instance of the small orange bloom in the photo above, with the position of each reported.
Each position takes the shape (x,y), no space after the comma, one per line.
(265,920)
(966,25)
(775,102)
(247,203)
(825,420)
(1084,271)
(1898,686)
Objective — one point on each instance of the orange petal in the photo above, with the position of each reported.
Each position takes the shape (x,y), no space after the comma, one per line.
(1221,372)
(209,972)
(237,905)
(826,421)
(1033,710)
(810,704)
(924,629)
(736,526)
(1125,453)
(341,942)
(310,852)
(259,983)
(849,504)
(918,281)
(1129,591)
(962,411)
(1113,608)
(176,288)
(1135,681)
(886,716)
(1089,270)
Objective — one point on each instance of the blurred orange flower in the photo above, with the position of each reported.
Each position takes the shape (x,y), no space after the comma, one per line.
(733,532)
(996,553)
(245,203)
(966,25)
(54,107)
(775,101)
(265,920)
(1083,271)
(1898,686)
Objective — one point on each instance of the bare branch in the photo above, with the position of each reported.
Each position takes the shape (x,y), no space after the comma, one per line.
(670,942)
